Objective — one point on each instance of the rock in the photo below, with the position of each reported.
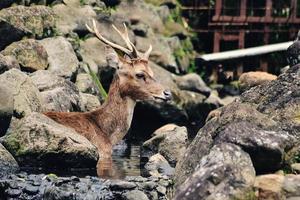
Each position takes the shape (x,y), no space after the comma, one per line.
(279,100)
(90,102)
(30,54)
(225,173)
(26,96)
(135,195)
(85,84)
(7,63)
(143,12)
(8,164)
(140,29)
(62,58)
(250,79)
(163,12)
(192,82)
(170,141)
(291,186)
(234,112)
(121,185)
(19,21)
(161,53)
(158,166)
(37,140)
(6,108)
(57,93)
(269,186)
(296,168)
(266,148)
(93,53)
(72,16)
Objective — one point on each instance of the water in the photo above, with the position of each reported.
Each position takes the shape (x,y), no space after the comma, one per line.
(126,161)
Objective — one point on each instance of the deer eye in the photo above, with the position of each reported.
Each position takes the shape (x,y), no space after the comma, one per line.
(140,75)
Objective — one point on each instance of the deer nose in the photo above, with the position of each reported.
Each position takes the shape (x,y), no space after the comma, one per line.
(168,94)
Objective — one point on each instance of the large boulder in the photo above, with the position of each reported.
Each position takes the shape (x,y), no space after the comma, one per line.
(62,58)
(279,99)
(30,54)
(250,79)
(170,141)
(19,21)
(157,166)
(206,137)
(225,173)
(37,140)
(58,94)
(7,162)
(85,84)
(26,96)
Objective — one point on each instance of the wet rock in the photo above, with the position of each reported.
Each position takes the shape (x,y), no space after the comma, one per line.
(29,53)
(23,187)
(90,102)
(7,63)
(8,164)
(121,185)
(19,21)
(61,57)
(251,79)
(57,93)
(37,140)
(158,166)
(266,148)
(225,173)
(135,195)
(26,96)
(170,141)
(192,82)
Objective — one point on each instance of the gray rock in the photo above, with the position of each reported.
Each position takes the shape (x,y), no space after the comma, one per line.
(73,16)
(6,108)
(140,29)
(279,99)
(26,96)
(164,12)
(8,164)
(62,58)
(170,141)
(37,140)
(192,82)
(29,53)
(57,93)
(18,21)
(85,83)
(7,63)
(135,195)
(121,185)
(158,166)
(90,102)
(225,173)
(266,148)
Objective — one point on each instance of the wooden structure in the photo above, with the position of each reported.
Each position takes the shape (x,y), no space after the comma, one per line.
(238,24)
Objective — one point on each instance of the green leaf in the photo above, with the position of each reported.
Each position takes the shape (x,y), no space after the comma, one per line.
(97,82)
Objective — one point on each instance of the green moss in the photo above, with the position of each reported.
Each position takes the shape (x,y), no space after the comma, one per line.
(14,145)
(154,2)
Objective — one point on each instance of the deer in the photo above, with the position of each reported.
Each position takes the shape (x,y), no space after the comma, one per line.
(133,81)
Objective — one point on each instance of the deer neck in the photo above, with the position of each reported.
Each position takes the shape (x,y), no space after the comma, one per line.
(115,116)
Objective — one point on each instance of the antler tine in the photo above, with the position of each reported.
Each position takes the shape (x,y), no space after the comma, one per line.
(124,35)
(147,53)
(104,40)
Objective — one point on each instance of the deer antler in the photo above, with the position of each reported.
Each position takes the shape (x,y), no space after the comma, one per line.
(131,50)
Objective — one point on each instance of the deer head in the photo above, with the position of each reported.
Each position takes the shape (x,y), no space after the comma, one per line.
(136,79)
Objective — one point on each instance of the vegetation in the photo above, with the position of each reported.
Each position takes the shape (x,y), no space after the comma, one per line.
(97,82)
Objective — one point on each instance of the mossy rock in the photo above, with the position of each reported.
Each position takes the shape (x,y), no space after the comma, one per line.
(30,54)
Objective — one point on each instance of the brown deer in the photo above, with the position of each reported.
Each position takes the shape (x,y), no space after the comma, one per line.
(132,82)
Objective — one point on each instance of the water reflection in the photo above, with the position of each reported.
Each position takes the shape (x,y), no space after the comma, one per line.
(125,161)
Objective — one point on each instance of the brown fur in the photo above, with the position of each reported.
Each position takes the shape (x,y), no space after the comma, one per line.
(107,125)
